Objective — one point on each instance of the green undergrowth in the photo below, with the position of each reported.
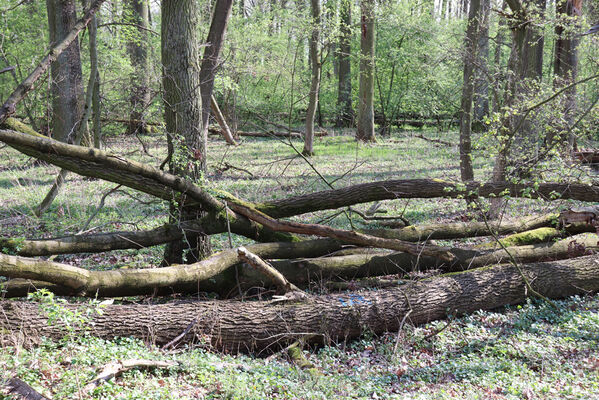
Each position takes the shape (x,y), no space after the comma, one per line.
(530,351)
(522,352)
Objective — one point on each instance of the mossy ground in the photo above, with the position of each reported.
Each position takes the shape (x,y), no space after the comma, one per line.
(529,351)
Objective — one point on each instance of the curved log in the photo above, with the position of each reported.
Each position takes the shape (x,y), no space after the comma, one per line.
(422,189)
(254,326)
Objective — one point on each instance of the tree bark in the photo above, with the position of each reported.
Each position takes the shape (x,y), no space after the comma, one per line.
(67,86)
(481,81)
(183,115)
(365,130)
(254,326)
(138,49)
(569,13)
(345,113)
(315,83)
(470,55)
(216,36)
(222,122)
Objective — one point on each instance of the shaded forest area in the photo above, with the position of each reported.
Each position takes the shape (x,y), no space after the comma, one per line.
(145,95)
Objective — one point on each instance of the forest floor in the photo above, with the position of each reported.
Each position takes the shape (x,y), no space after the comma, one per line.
(530,351)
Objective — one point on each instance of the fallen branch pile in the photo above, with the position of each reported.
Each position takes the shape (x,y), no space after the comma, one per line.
(296,262)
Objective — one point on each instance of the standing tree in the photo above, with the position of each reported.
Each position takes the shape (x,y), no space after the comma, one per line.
(315,84)
(138,47)
(216,36)
(470,55)
(183,116)
(365,130)
(481,81)
(67,86)
(345,114)
(566,58)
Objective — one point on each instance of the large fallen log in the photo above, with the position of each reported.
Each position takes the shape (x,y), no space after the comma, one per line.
(253,326)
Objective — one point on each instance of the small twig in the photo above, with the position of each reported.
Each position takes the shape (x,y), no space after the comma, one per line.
(7,69)
(116,368)
(375,218)
(100,206)
(403,321)
(436,332)
(176,340)
(228,166)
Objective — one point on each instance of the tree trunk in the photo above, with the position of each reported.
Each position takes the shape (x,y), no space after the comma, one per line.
(67,86)
(216,36)
(345,113)
(183,115)
(481,82)
(470,55)
(138,49)
(253,326)
(315,84)
(365,130)
(222,122)
(569,13)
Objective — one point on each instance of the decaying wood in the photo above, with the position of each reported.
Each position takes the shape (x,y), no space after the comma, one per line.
(116,368)
(216,275)
(9,106)
(251,326)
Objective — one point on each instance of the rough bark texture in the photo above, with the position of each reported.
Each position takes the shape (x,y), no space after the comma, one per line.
(345,111)
(138,49)
(183,115)
(67,85)
(422,188)
(365,130)
(470,54)
(251,326)
(315,83)
(566,58)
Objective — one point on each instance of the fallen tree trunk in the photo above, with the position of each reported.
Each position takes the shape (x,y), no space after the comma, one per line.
(460,230)
(423,189)
(253,326)
(99,242)
(216,275)
(266,134)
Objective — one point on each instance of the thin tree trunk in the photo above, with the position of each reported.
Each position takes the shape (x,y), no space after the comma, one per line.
(222,122)
(365,131)
(315,84)
(470,55)
(345,114)
(216,36)
(138,49)
(569,14)
(481,82)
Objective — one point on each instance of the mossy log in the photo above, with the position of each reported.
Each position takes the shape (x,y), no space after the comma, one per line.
(461,230)
(216,274)
(259,325)
(533,236)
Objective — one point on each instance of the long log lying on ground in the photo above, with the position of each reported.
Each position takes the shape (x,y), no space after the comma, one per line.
(99,242)
(460,230)
(216,273)
(252,326)
(423,189)
(205,275)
